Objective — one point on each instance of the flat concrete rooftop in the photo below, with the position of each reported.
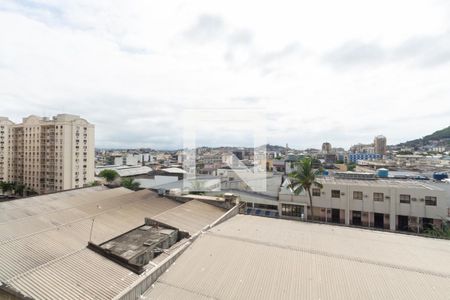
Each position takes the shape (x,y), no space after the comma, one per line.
(413,184)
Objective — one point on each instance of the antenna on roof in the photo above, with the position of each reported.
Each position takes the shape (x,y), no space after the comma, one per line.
(92,224)
(92,227)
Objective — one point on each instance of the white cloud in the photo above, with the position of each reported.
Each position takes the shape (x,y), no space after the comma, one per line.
(132,67)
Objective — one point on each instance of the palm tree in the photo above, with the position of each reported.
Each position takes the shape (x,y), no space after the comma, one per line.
(303,179)
(130,183)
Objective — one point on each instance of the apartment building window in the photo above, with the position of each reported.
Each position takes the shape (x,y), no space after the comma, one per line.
(405,198)
(316,192)
(357,195)
(335,194)
(430,200)
(378,197)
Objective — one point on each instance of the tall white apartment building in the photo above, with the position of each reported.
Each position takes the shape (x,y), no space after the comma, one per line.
(47,155)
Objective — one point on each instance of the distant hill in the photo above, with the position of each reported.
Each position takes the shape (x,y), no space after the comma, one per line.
(275,148)
(437,135)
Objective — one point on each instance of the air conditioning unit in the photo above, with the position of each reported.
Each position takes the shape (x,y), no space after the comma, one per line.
(414,199)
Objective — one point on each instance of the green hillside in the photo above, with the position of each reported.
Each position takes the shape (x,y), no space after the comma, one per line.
(437,135)
(440,134)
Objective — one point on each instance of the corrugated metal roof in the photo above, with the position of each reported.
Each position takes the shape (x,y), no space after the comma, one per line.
(74,209)
(174,170)
(116,216)
(125,171)
(133,171)
(81,275)
(15,209)
(259,258)
(191,216)
(44,255)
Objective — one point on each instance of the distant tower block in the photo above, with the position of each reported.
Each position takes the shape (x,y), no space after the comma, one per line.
(326,148)
(379,143)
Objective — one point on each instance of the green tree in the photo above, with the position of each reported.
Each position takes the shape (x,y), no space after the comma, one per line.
(304,178)
(10,187)
(30,192)
(109,175)
(130,183)
(443,232)
(3,186)
(351,166)
(18,188)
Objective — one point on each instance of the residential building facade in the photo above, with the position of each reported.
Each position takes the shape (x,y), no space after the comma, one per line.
(388,204)
(354,157)
(48,155)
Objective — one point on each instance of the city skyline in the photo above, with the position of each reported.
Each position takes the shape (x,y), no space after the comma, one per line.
(367,141)
(132,69)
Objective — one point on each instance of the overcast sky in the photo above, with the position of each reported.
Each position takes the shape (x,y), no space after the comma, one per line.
(338,71)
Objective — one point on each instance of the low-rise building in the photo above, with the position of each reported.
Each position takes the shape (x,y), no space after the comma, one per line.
(354,157)
(389,204)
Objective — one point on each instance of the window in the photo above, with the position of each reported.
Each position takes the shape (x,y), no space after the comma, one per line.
(357,195)
(265,206)
(405,198)
(378,197)
(291,210)
(430,200)
(316,192)
(335,194)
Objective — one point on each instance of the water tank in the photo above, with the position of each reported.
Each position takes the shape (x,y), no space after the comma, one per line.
(383,173)
(325,173)
(439,175)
